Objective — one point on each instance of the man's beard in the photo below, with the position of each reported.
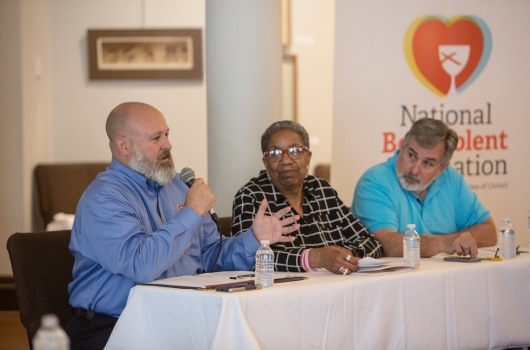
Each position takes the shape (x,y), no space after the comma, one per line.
(411,182)
(161,173)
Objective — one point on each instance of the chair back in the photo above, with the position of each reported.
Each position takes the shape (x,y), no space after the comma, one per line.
(323,171)
(226,225)
(60,186)
(42,269)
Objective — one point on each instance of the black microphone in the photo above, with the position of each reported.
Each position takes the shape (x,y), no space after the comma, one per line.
(187,176)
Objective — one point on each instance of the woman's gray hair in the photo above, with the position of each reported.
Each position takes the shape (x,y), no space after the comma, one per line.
(284,125)
(429,132)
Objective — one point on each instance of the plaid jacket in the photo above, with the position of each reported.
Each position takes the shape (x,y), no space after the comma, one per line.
(326,220)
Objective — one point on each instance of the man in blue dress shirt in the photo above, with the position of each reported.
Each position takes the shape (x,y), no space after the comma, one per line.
(137,222)
(418,186)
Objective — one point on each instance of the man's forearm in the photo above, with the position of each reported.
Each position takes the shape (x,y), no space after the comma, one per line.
(485,234)
(391,241)
(430,245)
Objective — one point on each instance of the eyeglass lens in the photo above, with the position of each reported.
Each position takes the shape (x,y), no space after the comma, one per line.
(294,152)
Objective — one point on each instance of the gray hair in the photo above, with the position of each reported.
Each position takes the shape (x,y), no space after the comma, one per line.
(284,125)
(429,132)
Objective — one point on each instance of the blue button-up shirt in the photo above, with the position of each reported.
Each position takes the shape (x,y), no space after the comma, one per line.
(129,230)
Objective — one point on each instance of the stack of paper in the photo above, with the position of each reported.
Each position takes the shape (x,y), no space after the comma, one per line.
(371,266)
(205,281)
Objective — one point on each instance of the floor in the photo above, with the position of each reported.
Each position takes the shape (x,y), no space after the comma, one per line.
(13,335)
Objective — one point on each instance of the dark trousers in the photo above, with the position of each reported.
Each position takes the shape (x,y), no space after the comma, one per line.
(90,334)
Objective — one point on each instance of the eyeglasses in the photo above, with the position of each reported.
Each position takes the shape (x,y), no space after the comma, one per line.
(294,152)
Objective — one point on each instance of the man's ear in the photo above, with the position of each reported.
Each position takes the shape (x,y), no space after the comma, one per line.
(123,145)
(442,169)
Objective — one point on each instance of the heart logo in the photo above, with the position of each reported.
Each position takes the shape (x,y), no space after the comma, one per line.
(447,55)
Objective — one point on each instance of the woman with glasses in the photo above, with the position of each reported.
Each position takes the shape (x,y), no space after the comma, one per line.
(330,236)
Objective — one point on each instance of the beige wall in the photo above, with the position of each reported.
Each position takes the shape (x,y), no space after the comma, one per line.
(36,94)
(81,105)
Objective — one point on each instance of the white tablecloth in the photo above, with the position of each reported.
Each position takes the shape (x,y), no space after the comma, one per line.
(442,305)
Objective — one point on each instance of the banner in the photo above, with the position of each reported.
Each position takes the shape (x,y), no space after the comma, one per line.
(462,62)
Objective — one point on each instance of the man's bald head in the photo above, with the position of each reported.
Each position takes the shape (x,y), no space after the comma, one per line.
(138,138)
(121,119)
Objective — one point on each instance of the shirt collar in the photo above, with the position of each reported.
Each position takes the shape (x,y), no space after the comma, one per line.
(309,188)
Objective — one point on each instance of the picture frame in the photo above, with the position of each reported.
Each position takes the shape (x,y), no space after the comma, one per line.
(145,53)
(289,87)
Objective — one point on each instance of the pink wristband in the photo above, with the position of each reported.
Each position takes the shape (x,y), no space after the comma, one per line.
(306,264)
(302,255)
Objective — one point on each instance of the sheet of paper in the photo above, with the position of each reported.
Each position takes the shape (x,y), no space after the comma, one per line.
(371,266)
(368,263)
(214,279)
(204,280)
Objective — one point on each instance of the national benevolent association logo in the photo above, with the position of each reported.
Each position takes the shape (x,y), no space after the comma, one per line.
(447,55)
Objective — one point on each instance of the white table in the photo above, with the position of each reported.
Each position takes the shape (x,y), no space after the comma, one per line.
(443,305)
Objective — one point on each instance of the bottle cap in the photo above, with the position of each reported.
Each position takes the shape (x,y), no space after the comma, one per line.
(49,321)
(505,219)
(265,241)
(411,226)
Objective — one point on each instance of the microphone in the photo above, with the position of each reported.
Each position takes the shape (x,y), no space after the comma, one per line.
(187,175)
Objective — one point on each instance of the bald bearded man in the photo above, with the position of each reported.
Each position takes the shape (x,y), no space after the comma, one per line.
(137,222)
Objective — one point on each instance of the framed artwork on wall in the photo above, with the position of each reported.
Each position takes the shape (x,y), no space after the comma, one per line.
(289,87)
(145,53)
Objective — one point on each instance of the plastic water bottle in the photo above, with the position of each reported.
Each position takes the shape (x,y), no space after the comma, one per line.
(50,335)
(507,239)
(411,245)
(265,265)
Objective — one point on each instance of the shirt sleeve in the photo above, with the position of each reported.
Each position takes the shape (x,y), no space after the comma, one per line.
(356,236)
(236,253)
(471,211)
(122,244)
(373,204)
(185,244)
(244,209)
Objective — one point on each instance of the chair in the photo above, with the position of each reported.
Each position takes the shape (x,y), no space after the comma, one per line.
(42,269)
(323,171)
(60,186)
(226,225)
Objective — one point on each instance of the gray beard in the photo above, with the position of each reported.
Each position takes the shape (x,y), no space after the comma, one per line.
(161,173)
(414,187)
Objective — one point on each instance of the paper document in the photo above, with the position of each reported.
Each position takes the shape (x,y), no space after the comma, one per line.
(203,281)
(369,266)
(208,281)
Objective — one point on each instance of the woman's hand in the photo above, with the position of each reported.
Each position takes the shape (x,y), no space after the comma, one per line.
(274,228)
(335,259)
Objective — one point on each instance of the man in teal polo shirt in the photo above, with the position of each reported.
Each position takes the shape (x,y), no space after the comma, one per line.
(417,186)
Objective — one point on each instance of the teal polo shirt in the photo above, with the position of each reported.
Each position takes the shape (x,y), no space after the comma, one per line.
(450,205)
